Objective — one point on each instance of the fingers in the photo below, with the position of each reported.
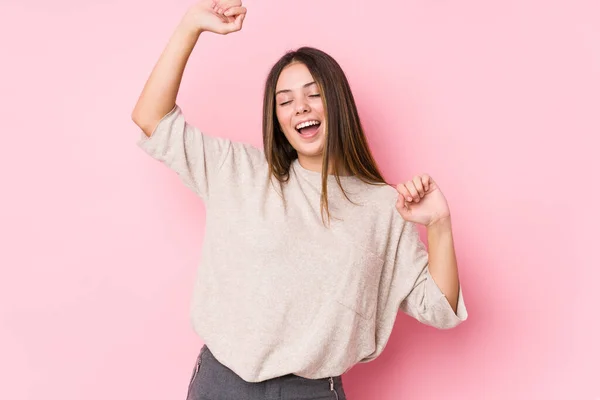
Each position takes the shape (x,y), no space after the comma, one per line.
(412,189)
(217,8)
(401,206)
(233,19)
(426,179)
(239,20)
(235,11)
(234,24)
(418,185)
(404,192)
(415,189)
(409,191)
(223,6)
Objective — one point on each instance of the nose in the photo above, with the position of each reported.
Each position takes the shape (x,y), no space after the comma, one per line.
(302,107)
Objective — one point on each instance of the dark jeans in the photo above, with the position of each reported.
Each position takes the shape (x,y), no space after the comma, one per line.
(212,380)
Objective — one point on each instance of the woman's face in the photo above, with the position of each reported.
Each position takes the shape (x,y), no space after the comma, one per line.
(300,112)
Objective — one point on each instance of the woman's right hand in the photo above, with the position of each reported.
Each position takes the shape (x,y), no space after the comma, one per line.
(223,17)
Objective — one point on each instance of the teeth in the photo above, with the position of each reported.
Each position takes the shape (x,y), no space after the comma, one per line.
(307,123)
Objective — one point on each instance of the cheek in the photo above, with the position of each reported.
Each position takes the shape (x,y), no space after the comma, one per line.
(319,108)
(283,123)
(281,118)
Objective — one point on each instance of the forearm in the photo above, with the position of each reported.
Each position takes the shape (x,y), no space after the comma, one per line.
(160,91)
(442,259)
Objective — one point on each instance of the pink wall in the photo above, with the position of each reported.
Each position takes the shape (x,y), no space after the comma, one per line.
(498,100)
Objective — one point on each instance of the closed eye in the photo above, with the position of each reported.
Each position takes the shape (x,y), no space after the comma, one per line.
(289,101)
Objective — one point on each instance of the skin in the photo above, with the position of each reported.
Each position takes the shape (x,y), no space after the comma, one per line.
(297,100)
(421,201)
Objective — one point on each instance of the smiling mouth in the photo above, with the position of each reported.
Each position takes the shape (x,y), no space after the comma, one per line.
(308,128)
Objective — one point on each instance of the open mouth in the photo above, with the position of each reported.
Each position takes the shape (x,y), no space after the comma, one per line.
(308,128)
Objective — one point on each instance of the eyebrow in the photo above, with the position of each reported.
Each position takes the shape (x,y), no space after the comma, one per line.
(289,90)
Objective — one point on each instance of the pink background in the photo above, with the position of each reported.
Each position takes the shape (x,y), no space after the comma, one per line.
(497,100)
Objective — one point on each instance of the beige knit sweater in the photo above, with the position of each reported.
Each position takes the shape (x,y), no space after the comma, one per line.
(277,292)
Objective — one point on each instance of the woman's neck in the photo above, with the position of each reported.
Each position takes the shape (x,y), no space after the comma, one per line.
(315,164)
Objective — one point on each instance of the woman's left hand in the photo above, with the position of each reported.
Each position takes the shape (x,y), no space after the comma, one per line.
(421,201)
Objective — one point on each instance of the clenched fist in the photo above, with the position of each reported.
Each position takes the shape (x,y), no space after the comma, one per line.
(221,17)
(421,201)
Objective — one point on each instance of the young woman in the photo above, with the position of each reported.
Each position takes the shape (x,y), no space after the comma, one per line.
(308,253)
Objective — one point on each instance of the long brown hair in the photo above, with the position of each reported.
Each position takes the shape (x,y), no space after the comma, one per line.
(346,147)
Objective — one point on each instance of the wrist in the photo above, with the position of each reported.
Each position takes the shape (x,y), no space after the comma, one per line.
(440,222)
(188,26)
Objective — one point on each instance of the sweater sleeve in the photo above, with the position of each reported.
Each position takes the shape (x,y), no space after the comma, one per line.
(194,156)
(425,300)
